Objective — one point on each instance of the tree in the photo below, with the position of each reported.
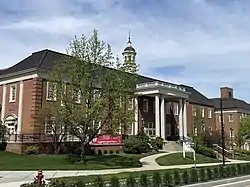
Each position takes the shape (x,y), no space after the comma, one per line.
(244,131)
(198,124)
(95,90)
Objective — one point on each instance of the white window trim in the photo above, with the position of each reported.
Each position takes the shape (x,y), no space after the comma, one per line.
(202,112)
(209,113)
(229,119)
(11,88)
(145,110)
(223,118)
(231,133)
(47,93)
(176,109)
(79,97)
(194,111)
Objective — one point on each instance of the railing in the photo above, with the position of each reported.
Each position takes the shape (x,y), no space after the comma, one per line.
(36,138)
(220,150)
(159,84)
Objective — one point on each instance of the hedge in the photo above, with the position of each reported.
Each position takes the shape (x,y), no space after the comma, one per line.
(175,178)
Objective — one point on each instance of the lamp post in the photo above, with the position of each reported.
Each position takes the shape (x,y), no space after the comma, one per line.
(222,133)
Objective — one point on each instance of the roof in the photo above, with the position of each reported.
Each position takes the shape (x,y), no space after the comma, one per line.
(46,59)
(230,103)
(129,48)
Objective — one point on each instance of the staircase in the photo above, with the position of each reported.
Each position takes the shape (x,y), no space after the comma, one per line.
(172,146)
(219,150)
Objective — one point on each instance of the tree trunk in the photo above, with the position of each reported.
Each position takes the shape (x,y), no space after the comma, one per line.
(82,156)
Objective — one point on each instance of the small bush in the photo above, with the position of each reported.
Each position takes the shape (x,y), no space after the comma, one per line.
(233,171)
(3,146)
(167,179)
(157,143)
(31,150)
(194,176)
(216,173)
(177,178)
(239,169)
(210,175)
(156,179)
(111,152)
(205,151)
(203,176)
(99,182)
(144,180)
(222,173)
(131,181)
(105,152)
(136,144)
(185,177)
(114,182)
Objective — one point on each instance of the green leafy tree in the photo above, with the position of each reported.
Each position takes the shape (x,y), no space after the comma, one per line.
(95,90)
(244,131)
(198,125)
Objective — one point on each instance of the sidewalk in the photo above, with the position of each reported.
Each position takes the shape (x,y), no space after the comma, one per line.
(15,178)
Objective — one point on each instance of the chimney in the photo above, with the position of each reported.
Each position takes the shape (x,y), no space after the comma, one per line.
(226,92)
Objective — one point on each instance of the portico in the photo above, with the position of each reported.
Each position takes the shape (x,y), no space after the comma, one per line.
(161,94)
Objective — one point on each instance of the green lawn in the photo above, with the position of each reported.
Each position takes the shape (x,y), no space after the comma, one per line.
(242,157)
(12,161)
(177,159)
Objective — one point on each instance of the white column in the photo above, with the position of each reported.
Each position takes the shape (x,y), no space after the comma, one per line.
(185,118)
(3,103)
(163,127)
(180,119)
(20,108)
(135,131)
(157,115)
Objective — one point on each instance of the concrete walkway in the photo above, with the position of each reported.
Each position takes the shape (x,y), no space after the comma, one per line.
(15,178)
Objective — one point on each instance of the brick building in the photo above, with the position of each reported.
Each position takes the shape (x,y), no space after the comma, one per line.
(163,109)
(233,110)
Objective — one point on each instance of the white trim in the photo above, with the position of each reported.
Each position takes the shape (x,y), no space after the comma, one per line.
(3,103)
(147,92)
(135,131)
(231,121)
(19,79)
(227,111)
(54,94)
(20,108)
(11,87)
(209,113)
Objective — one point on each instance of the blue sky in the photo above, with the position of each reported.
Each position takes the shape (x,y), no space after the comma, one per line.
(202,43)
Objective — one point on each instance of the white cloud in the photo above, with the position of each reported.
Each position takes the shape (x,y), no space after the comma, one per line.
(211,40)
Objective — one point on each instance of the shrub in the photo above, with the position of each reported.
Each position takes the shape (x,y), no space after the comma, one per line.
(99,182)
(3,146)
(136,144)
(144,180)
(31,150)
(185,177)
(244,169)
(216,173)
(157,143)
(114,182)
(233,172)
(167,179)
(222,172)
(105,152)
(205,151)
(239,169)
(131,181)
(111,152)
(210,175)
(177,178)
(203,176)
(156,179)
(194,176)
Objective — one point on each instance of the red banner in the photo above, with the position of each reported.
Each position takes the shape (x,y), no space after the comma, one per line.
(107,140)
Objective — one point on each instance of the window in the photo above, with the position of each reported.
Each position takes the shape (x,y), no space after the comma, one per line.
(203,112)
(12,93)
(149,128)
(130,103)
(230,117)
(167,107)
(210,130)
(209,113)
(96,125)
(203,128)
(51,91)
(175,109)
(195,131)
(194,111)
(77,96)
(231,133)
(145,105)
